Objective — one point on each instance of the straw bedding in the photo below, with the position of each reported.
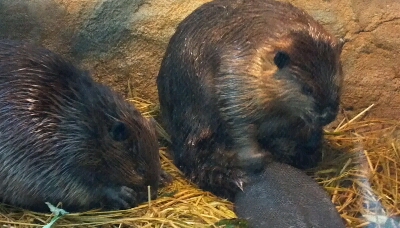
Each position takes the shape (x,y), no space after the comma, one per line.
(360,170)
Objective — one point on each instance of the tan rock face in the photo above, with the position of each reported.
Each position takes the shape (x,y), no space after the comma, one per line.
(122,41)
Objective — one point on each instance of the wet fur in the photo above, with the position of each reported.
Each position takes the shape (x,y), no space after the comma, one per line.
(242,79)
(65,138)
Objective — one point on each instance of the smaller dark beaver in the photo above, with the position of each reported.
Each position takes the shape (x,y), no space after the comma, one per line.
(244,79)
(65,138)
(283,196)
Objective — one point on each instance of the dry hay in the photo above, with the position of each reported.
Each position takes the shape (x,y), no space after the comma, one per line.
(362,174)
(359,170)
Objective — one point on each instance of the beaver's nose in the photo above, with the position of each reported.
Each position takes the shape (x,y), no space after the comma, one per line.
(327,116)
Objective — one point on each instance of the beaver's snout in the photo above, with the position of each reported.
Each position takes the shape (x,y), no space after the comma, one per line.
(327,115)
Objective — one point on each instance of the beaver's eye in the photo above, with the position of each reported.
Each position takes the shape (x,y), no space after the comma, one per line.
(307,90)
(119,131)
(281,59)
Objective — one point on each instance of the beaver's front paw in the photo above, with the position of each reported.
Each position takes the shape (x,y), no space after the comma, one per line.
(222,181)
(120,198)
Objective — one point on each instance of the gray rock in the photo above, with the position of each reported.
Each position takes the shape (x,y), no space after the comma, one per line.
(283,196)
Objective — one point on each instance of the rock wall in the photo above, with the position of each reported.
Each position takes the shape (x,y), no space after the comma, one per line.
(122,41)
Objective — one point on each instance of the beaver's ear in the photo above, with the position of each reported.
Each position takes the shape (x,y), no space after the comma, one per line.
(281,59)
(119,131)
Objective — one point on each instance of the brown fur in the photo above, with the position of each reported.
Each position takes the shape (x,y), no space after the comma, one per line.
(65,138)
(258,77)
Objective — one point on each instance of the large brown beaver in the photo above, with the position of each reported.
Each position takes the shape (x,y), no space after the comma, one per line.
(242,79)
(65,138)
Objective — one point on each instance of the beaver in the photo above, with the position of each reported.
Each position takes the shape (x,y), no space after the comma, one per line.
(244,82)
(283,196)
(66,138)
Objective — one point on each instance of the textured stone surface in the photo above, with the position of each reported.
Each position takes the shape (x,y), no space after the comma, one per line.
(122,41)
